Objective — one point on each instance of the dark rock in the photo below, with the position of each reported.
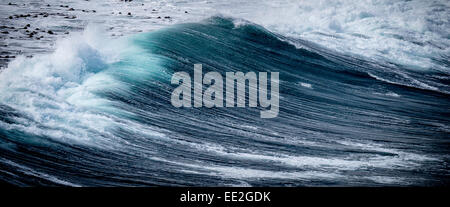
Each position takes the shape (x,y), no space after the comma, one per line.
(5,32)
(50,32)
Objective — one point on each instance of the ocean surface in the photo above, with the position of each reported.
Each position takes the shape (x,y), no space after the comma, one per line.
(85,93)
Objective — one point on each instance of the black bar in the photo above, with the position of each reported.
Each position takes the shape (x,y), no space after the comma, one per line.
(223,196)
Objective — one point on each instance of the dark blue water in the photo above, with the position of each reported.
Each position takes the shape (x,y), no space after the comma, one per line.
(343,121)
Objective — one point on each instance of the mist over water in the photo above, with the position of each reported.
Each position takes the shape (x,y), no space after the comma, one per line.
(363,98)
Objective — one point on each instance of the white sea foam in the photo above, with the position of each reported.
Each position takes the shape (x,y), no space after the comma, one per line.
(249,173)
(56,92)
(387,180)
(322,166)
(410,33)
(391,94)
(306,85)
(408,81)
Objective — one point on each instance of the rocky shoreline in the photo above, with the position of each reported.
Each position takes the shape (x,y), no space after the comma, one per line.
(32,28)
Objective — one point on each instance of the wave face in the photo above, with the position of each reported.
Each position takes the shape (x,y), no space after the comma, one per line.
(97,112)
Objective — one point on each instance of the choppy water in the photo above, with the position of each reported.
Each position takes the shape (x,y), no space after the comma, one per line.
(364,99)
